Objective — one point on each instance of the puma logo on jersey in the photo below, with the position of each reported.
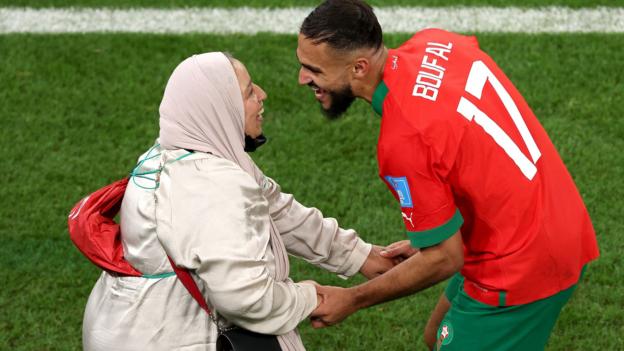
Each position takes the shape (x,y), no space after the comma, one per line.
(409,219)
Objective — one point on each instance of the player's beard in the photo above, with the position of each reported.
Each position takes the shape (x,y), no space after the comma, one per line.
(340,102)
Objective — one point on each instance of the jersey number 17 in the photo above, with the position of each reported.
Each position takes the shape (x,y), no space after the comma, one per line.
(478,76)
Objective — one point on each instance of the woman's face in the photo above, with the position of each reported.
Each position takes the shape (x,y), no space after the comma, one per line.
(253,97)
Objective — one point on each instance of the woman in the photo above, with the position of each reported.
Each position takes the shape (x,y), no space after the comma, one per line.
(199,198)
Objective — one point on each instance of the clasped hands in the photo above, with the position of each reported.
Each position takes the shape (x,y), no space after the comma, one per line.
(335,303)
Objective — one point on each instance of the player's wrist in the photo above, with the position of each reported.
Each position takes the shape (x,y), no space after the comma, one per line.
(364,295)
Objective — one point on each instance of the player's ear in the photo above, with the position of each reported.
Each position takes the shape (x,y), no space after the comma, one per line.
(361,66)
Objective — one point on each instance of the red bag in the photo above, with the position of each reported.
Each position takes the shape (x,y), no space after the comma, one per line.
(93,230)
(95,233)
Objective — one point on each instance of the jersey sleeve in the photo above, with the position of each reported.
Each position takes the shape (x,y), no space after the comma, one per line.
(427,205)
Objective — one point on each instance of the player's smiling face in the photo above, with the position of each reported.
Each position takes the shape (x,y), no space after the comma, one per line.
(327,74)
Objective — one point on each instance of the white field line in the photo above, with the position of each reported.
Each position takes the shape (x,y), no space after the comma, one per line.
(287,20)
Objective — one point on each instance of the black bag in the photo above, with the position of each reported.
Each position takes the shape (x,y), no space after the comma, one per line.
(239,339)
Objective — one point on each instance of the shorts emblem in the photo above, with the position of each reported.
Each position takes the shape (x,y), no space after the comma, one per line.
(445,334)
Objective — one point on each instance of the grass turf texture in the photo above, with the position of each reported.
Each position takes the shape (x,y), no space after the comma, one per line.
(77,110)
(291,3)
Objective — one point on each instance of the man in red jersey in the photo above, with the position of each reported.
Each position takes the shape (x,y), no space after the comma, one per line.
(483,192)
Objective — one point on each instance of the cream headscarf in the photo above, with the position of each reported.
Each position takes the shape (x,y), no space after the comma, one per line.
(202,109)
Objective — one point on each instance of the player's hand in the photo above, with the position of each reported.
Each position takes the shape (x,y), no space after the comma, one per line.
(336,305)
(399,251)
(376,264)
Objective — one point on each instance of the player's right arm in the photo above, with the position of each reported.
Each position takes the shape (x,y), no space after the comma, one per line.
(420,271)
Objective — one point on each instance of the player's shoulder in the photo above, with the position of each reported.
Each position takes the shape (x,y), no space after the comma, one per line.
(425,36)
(424,91)
(427,73)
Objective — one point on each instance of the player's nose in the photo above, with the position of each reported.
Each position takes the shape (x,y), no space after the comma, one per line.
(304,77)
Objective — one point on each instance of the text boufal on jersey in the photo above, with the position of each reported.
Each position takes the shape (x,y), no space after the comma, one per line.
(431,73)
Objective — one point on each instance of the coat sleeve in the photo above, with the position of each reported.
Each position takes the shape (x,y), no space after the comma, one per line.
(213,219)
(316,239)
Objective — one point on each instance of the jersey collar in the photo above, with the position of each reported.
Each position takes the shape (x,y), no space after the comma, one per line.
(378,97)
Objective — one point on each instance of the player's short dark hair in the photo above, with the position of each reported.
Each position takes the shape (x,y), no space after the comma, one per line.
(343,25)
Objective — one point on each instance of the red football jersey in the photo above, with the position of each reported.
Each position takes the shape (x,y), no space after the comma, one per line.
(460,148)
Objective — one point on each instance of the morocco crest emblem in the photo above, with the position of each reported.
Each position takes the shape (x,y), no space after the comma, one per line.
(445,334)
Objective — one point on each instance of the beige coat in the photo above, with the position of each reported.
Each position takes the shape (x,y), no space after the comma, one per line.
(211,216)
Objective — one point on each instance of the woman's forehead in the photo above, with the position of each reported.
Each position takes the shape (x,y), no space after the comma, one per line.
(244,79)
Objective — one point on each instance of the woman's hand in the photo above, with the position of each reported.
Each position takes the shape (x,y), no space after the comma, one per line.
(399,251)
(376,264)
(319,297)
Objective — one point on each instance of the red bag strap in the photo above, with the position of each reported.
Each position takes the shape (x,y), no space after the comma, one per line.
(190,285)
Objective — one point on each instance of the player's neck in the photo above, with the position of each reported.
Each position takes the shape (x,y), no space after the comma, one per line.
(366,88)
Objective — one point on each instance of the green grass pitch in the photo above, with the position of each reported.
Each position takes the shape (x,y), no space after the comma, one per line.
(76,111)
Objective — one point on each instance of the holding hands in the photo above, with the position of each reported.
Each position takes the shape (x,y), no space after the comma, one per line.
(376,263)
(399,251)
(335,303)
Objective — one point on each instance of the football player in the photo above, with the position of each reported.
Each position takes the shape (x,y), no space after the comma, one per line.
(484,195)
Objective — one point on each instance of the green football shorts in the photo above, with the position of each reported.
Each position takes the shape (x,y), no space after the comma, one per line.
(470,325)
